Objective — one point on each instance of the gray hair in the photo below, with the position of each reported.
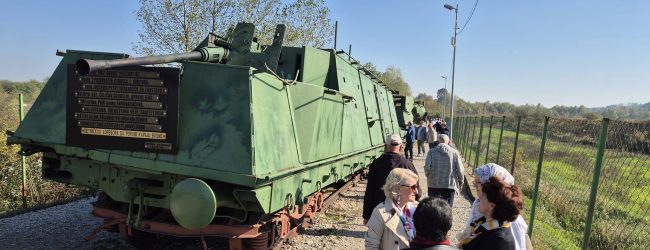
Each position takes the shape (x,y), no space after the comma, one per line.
(397,176)
(443,138)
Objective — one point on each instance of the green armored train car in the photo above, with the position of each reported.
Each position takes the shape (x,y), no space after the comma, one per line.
(238,132)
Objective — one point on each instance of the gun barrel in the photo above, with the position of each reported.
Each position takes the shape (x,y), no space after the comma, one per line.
(85,66)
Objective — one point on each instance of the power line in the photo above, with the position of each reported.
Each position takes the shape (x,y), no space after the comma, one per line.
(469,18)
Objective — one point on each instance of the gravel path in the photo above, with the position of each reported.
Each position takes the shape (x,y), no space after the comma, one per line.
(64,226)
(59,227)
(341,227)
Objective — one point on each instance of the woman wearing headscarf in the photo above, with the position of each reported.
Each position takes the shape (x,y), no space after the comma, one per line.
(518,228)
(391,224)
(500,205)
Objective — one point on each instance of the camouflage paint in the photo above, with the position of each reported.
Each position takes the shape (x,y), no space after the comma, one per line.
(259,143)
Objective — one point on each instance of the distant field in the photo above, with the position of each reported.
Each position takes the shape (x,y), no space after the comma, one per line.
(621,218)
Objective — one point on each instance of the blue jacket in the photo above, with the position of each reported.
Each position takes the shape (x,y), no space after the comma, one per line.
(422,133)
(410,134)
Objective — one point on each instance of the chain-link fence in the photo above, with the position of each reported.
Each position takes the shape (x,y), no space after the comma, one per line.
(586,182)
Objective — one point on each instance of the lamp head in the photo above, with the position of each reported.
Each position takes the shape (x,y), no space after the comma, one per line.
(449,7)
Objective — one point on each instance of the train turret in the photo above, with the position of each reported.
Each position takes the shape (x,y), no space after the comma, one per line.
(241,48)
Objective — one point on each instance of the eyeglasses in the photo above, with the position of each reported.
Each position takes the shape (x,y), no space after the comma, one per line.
(413,187)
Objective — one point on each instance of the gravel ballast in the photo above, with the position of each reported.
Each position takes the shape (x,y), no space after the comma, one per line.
(341,226)
(59,227)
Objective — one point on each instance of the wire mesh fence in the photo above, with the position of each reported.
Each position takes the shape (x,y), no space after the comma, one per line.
(586,182)
(621,217)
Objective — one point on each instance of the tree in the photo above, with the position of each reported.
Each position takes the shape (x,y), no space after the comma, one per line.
(430,105)
(393,78)
(175,26)
(442,95)
(308,23)
(591,116)
(372,68)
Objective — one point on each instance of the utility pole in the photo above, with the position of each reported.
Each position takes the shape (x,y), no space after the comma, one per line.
(453,69)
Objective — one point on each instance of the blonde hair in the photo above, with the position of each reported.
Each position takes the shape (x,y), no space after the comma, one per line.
(397,176)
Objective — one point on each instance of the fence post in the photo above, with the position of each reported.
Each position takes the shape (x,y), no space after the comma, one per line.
(487,150)
(469,154)
(478,145)
(22,157)
(465,129)
(539,175)
(462,132)
(602,141)
(503,121)
(514,151)
(459,142)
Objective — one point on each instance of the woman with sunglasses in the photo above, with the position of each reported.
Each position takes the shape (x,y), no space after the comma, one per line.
(391,224)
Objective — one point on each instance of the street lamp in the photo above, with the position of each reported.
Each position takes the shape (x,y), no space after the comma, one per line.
(453,70)
(444,103)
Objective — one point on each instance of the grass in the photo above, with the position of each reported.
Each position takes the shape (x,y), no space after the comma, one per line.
(621,219)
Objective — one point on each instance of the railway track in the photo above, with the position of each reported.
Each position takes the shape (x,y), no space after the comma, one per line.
(332,196)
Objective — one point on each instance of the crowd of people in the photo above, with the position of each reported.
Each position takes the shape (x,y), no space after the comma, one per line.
(397,217)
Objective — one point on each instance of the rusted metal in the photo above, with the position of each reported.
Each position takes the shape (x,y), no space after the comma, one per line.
(123,233)
(108,225)
(283,226)
(319,205)
(203,243)
(231,231)
(236,244)
(330,199)
(260,242)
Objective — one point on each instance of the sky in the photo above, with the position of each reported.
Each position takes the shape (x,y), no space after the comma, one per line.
(580,52)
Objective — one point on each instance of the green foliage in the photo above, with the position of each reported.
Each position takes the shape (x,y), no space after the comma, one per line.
(431,106)
(626,112)
(179,26)
(40,192)
(394,79)
(30,89)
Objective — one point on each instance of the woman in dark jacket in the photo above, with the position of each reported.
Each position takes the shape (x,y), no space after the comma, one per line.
(502,205)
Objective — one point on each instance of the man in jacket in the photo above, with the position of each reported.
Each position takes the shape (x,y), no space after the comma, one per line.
(379,170)
(422,137)
(410,137)
(432,136)
(444,170)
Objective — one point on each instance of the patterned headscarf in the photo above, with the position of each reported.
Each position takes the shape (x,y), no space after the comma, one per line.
(483,173)
(488,170)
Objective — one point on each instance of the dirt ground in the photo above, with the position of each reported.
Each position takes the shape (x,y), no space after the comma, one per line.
(341,226)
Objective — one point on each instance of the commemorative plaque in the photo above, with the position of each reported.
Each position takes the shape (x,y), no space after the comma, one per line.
(129,108)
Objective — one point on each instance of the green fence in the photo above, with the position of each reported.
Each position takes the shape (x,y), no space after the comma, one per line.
(586,182)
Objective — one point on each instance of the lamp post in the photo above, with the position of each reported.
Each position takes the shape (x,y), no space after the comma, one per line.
(453,70)
(444,102)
